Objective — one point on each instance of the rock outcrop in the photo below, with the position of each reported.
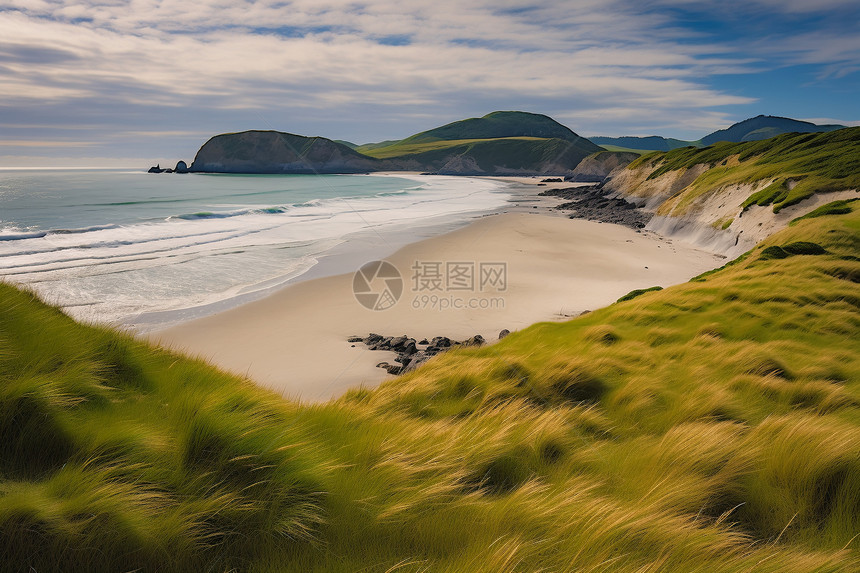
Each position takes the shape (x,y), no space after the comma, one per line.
(412,354)
(277,152)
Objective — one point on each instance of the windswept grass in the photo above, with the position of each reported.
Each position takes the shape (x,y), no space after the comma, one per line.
(709,427)
(792,166)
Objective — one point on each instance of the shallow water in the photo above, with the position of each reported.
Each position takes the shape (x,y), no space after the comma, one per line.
(107,245)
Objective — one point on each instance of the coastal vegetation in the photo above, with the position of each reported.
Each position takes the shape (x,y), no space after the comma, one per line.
(789,168)
(713,426)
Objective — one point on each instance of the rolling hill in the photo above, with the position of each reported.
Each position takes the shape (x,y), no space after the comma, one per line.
(502,142)
(752,129)
(764,127)
(649,143)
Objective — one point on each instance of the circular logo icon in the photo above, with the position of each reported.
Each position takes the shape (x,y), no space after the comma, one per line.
(377,285)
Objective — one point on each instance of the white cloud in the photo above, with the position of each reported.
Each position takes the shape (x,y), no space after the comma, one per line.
(587,61)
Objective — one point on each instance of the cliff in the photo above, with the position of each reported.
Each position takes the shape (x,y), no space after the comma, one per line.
(598,166)
(728,197)
(277,152)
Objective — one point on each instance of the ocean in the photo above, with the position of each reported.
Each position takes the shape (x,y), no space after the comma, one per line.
(111,246)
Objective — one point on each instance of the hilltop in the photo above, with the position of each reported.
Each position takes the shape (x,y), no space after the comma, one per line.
(752,129)
(764,127)
(498,124)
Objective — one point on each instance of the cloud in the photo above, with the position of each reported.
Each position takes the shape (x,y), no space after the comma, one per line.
(179,69)
(40,143)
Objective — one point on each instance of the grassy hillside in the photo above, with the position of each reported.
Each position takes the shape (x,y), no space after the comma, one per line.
(499,142)
(709,427)
(500,124)
(794,166)
(402,148)
(619,149)
(752,129)
(764,127)
(489,156)
(640,144)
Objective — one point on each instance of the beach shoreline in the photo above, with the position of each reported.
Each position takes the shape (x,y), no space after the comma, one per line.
(375,242)
(294,341)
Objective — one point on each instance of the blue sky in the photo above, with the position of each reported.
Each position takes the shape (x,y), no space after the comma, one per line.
(113,82)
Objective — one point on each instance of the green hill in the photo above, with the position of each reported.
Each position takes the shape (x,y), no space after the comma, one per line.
(752,129)
(764,127)
(649,143)
(498,143)
(499,124)
(709,427)
(402,148)
(500,156)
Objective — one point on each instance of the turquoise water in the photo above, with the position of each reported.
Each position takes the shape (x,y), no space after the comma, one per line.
(110,245)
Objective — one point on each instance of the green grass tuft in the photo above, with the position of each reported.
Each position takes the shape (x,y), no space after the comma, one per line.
(634,293)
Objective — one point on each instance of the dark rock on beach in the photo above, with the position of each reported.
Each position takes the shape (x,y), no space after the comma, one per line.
(409,355)
(476,340)
(594,204)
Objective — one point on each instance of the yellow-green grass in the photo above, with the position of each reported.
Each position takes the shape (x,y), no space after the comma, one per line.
(400,149)
(709,427)
(792,167)
(618,148)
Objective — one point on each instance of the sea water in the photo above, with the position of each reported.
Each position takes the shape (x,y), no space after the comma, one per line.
(111,245)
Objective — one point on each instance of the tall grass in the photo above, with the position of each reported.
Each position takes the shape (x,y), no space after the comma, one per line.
(709,427)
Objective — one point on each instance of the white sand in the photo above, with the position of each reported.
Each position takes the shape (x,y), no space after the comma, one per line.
(294,341)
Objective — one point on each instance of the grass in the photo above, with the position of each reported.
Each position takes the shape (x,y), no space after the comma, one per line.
(634,293)
(501,155)
(401,148)
(712,426)
(619,149)
(790,167)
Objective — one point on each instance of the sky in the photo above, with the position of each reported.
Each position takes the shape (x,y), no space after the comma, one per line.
(137,82)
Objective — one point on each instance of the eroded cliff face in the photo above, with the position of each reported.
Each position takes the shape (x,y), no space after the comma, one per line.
(597,167)
(276,152)
(712,218)
(650,194)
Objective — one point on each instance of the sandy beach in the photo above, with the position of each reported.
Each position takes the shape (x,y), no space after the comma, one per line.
(537,268)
